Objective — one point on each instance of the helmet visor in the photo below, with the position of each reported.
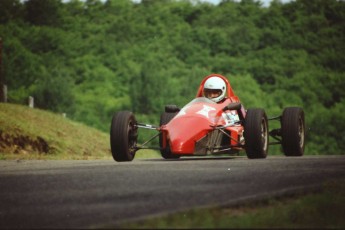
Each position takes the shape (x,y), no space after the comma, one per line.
(212,93)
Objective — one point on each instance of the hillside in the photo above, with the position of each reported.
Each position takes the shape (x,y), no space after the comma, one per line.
(27,133)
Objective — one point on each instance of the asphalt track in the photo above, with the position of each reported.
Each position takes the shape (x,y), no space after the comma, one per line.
(95,194)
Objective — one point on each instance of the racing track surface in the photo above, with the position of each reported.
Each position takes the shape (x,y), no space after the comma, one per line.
(93,194)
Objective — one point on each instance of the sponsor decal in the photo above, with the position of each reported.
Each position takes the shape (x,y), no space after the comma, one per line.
(205,111)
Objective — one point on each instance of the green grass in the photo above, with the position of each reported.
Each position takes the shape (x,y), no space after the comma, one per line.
(323,209)
(146,154)
(27,133)
(22,127)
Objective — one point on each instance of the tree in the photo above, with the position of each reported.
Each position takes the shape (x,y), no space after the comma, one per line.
(10,10)
(43,13)
(54,93)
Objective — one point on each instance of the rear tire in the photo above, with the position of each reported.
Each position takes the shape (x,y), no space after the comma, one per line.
(166,152)
(256,134)
(123,136)
(172,109)
(293,131)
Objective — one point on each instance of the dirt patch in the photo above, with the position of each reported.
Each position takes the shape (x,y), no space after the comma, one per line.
(18,143)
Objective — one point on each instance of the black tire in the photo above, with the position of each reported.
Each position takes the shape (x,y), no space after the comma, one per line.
(293,131)
(166,153)
(172,109)
(256,134)
(123,136)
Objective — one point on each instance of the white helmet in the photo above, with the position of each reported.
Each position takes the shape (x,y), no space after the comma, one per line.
(214,89)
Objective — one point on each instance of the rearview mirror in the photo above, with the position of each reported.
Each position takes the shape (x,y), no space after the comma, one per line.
(233,106)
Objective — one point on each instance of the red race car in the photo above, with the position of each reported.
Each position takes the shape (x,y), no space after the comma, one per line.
(215,122)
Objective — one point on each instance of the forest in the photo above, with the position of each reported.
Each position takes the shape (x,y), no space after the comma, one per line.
(91,58)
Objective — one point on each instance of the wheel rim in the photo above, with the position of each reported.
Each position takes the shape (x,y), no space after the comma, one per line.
(301,132)
(132,140)
(264,134)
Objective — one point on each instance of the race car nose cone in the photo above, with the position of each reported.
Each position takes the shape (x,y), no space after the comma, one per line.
(184,132)
(179,146)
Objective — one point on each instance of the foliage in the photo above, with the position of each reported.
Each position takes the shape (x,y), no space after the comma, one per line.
(92,58)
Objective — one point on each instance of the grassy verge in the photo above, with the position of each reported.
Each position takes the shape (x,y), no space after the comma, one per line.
(27,133)
(36,134)
(146,154)
(324,209)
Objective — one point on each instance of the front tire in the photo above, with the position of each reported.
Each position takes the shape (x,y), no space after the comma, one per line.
(123,136)
(293,131)
(256,134)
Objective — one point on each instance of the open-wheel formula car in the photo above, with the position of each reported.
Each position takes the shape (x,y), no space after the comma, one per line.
(208,125)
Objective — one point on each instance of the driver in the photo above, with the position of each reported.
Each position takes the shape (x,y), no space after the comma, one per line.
(214,89)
